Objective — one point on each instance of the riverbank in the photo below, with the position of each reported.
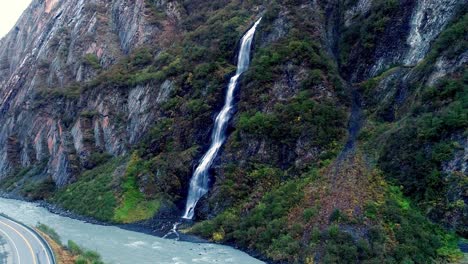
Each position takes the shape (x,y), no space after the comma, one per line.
(122,245)
(143,227)
(147,227)
(165,225)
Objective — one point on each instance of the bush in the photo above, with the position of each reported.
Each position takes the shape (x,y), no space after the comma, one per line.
(141,57)
(133,205)
(50,232)
(323,122)
(265,227)
(197,107)
(417,164)
(40,190)
(451,42)
(74,248)
(92,60)
(314,78)
(367,28)
(83,256)
(96,191)
(97,159)
(260,124)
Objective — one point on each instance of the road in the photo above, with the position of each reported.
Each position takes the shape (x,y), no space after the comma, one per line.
(20,245)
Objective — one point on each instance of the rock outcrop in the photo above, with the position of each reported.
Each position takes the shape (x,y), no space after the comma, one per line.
(54,45)
(332,88)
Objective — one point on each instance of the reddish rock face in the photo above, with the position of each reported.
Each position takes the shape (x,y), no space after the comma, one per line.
(49,5)
(45,52)
(55,44)
(331,111)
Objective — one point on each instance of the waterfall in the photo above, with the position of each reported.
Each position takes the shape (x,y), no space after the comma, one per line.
(173,231)
(200,178)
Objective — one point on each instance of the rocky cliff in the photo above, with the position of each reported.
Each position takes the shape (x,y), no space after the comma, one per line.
(55,46)
(351,110)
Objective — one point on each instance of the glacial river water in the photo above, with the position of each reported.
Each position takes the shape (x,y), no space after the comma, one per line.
(117,245)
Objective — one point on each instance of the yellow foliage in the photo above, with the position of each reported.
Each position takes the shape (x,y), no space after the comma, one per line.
(218,236)
(309,260)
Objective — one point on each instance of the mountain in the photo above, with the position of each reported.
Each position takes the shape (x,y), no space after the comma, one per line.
(348,142)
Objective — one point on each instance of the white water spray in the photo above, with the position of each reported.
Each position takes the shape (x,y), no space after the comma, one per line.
(173,231)
(200,178)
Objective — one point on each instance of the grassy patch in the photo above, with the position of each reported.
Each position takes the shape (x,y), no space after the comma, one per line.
(93,194)
(50,232)
(134,206)
(92,60)
(72,253)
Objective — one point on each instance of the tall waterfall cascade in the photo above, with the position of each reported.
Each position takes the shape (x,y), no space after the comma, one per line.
(200,179)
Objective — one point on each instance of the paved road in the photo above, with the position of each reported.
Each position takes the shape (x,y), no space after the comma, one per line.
(20,245)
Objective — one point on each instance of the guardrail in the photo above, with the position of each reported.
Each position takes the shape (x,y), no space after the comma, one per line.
(43,240)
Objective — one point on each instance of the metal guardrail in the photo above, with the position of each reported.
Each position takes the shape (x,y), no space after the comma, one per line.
(39,236)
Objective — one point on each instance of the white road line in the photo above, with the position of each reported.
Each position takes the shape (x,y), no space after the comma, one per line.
(36,238)
(25,240)
(14,245)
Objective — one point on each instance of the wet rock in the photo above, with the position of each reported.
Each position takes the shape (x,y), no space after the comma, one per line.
(429,18)
(361,7)
(445,66)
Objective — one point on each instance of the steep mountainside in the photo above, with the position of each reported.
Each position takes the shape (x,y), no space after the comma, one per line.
(348,145)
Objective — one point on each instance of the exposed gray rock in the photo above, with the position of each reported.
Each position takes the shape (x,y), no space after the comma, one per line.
(164,92)
(130,25)
(444,66)
(459,163)
(406,38)
(45,52)
(280,28)
(429,19)
(361,7)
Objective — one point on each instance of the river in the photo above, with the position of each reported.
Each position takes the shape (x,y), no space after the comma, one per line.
(117,245)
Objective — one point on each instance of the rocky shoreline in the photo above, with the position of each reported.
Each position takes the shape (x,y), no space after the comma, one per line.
(153,227)
(143,227)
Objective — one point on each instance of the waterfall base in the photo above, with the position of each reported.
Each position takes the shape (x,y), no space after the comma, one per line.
(173,232)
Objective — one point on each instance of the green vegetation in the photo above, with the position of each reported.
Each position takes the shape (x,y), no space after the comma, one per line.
(396,231)
(451,42)
(416,165)
(156,15)
(141,57)
(83,256)
(97,159)
(45,95)
(89,114)
(279,169)
(50,232)
(265,228)
(10,182)
(80,255)
(25,182)
(111,192)
(431,123)
(322,121)
(96,191)
(92,60)
(367,29)
(74,248)
(297,49)
(133,206)
(415,238)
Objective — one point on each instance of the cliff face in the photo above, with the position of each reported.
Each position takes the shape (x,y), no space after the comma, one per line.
(113,102)
(400,33)
(54,45)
